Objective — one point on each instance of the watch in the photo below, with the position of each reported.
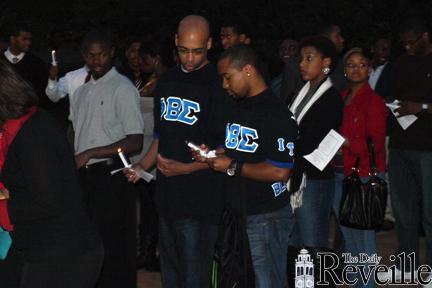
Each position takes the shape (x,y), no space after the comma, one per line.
(425,106)
(234,168)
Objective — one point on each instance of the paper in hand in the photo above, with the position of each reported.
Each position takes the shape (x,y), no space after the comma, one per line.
(326,150)
(404,121)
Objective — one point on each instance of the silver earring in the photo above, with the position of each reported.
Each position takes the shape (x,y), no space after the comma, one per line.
(326,70)
(344,74)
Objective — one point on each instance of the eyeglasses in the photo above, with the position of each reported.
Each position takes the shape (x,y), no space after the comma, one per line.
(186,51)
(360,66)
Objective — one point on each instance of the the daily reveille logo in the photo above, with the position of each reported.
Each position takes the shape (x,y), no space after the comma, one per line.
(351,269)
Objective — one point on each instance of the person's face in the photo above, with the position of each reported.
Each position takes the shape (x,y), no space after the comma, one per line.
(414,43)
(132,55)
(22,42)
(337,39)
(288,49)
(192,49)
(381,51)
(235,80)
(357,68)
(98,59)
(312,64)
(229,38)
(148,63)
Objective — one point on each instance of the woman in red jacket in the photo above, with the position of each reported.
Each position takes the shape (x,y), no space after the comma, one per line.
(364,116)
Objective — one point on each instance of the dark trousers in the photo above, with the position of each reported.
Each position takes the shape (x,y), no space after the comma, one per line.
(148,214)
(410,175)
(186,252)
(55,270)
(110,201)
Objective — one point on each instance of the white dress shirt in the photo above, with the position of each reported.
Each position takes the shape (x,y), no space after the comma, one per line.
(375,75)
(10,57)
(66,85)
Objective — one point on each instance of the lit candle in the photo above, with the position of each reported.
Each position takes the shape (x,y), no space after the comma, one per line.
(53,58)
(122,157)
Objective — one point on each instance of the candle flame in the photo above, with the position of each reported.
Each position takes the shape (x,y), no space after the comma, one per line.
(119,150)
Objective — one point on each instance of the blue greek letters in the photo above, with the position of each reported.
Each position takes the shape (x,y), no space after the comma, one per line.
(181,110)
(241,138)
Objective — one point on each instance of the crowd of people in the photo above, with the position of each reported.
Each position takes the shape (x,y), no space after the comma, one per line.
(73,223)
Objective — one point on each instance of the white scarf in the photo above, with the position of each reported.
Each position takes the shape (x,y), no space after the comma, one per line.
(297,196)
(321,90)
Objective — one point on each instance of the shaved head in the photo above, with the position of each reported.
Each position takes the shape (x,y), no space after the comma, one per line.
(193,41)
(194,24)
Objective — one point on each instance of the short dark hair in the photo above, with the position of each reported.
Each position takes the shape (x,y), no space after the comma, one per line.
(17,28)
(241,55)
(132,39)
(96,36)
(238,27)
(324,46)
(327,28)
(16,95)
(417,25)
(158,47)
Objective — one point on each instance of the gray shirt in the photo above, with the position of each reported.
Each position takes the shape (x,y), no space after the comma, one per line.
(105,111)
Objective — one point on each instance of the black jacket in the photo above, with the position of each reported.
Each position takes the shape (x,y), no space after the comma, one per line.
(325,114)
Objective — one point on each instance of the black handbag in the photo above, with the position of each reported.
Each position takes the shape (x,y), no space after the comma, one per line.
(363,205)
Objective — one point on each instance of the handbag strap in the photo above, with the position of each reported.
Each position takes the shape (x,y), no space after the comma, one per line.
(371,151)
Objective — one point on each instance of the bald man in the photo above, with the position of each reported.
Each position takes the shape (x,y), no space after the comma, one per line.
(187,194)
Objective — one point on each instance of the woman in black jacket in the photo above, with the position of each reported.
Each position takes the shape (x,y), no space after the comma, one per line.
(53,242)
(317,108)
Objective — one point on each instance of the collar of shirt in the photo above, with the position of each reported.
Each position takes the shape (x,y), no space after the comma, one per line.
(9,56)
(111,73)
(375,74)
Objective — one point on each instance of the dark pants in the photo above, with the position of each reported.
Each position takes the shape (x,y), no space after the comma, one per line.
(410,175)
(148,215)
(186,252)
(110,201)
(55,270)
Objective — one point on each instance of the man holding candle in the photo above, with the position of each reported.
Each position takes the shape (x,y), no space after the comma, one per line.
(188,198)
(105,115)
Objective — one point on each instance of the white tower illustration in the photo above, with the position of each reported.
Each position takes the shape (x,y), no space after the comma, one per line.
(304,270)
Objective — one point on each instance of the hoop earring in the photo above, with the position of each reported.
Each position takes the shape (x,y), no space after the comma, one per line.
(326,70)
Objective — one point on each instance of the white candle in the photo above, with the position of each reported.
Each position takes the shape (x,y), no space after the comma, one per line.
(122,157)
(53,58)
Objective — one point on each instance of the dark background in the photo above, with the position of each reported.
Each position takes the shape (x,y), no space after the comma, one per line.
(61,24)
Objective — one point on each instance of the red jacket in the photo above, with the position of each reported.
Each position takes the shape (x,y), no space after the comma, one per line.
(8,132)
(364,117)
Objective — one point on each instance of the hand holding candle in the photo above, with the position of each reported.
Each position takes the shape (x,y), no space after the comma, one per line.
(53,58)
(123,158)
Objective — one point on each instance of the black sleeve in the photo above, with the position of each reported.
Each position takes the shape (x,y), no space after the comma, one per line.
(157,96)
(280,135)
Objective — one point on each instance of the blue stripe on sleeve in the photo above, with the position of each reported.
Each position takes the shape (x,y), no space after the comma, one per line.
(278,164)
